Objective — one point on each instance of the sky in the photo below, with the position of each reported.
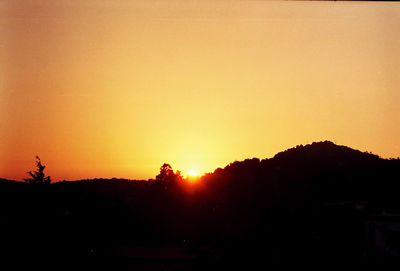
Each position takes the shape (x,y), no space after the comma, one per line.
(117,88)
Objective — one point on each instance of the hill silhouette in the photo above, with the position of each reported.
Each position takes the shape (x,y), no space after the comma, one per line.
(310,204)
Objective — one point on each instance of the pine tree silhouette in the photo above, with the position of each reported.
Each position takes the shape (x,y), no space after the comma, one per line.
(38,176)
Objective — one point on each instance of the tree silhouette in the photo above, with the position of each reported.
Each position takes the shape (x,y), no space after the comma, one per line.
(168,175)
(38,176)
(165,172)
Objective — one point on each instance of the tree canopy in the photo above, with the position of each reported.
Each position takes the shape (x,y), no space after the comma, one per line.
(167,174)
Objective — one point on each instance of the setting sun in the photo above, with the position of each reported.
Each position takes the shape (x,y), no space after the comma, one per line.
(193,173)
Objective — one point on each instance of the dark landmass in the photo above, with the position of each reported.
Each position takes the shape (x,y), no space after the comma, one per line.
(318,205)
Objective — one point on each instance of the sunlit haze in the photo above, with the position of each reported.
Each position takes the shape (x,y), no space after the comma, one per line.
(117,88)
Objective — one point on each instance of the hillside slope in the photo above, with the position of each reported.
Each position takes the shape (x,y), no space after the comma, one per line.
(310,204)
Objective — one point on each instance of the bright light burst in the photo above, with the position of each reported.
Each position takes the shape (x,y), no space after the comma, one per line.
(193,173)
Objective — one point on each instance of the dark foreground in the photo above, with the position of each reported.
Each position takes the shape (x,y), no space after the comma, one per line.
(319,205)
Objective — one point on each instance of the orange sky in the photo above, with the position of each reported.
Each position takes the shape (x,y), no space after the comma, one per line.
(116,88)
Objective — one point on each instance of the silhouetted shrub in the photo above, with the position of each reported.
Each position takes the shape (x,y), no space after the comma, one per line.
(38,176)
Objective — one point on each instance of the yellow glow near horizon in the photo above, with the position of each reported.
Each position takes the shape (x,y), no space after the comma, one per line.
(113,88)
(193,173)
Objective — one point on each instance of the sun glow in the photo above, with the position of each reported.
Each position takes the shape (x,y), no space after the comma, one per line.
(219,68)
(193,173)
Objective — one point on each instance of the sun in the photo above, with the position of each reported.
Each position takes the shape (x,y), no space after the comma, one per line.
(193,173)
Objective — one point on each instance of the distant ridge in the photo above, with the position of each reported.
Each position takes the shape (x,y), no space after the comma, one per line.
(322,152)
(324,149)
(2,180)
(310,155)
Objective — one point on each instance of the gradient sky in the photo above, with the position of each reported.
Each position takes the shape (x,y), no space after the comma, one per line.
(116,88)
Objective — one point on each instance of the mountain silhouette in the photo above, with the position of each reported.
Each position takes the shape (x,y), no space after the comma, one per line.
(309,205)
